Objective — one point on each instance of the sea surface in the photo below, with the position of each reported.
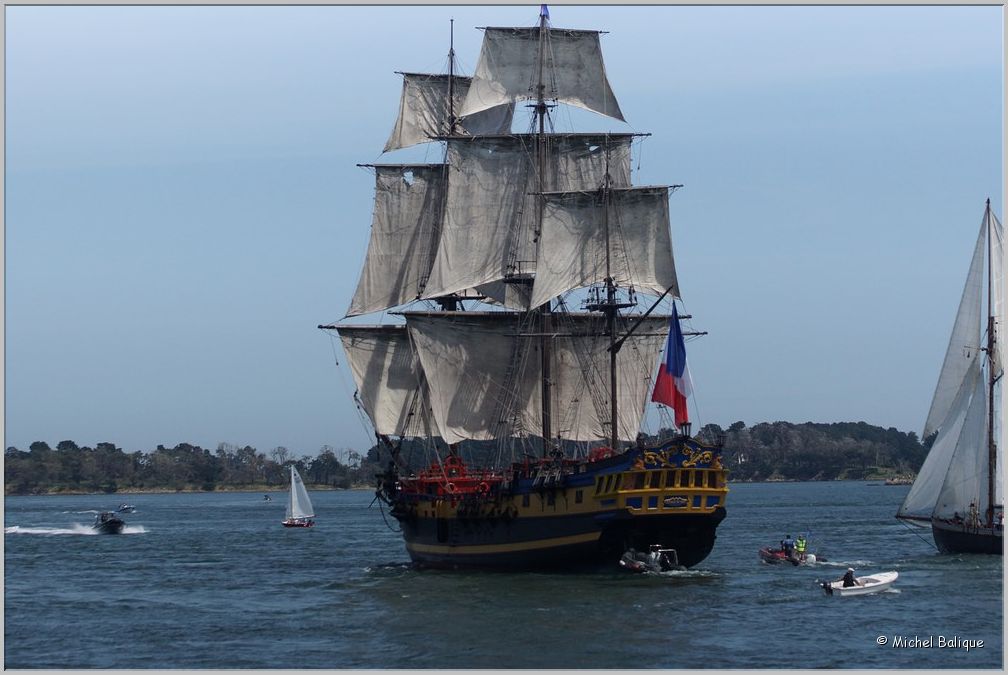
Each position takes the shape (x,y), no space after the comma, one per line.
(213,581)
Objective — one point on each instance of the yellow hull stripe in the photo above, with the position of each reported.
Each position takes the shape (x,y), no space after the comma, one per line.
(477,549)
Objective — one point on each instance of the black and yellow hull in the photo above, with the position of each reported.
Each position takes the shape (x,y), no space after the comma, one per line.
(671,496)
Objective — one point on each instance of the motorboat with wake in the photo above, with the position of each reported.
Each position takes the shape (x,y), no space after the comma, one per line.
(126,508)
(108,522)
(658,559)
(875,583)
(776,556)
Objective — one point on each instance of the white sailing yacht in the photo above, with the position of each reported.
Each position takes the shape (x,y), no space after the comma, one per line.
(959,491)
(299,506)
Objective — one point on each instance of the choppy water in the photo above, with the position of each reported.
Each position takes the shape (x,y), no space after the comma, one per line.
(214,581)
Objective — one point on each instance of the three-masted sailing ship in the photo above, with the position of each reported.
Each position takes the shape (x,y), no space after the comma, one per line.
(958,491)
(499,238)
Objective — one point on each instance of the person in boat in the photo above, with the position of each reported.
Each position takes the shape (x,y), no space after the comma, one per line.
(957,519)
(800,545)
(654,556)
(974,516)
(787,545)
(849,579)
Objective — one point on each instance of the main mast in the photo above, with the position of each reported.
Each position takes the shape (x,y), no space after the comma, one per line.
(545,311)
(610,308)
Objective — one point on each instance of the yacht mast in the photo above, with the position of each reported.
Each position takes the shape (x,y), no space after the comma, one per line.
(991,447)
(545,310)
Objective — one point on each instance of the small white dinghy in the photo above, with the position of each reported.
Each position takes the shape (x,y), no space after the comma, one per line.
(874,583)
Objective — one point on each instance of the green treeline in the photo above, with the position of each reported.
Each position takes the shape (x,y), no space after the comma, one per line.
(766,451)
(107,468)
(813,451)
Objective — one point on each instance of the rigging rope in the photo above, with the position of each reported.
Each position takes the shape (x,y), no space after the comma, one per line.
(913,528)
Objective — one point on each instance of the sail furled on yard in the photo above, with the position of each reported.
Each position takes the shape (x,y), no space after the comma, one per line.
(390,383)
(485,374)
(923,495)
(964,345)
(490,227)
(579,227)
(424,111)
(404,233)
(573,70)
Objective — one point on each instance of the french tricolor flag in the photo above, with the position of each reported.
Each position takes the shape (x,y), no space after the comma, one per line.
(674,384)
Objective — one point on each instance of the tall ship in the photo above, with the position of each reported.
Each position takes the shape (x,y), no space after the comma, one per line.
(959,491)
(524,271)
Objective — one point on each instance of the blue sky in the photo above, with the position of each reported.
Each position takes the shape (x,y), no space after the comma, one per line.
(183,205)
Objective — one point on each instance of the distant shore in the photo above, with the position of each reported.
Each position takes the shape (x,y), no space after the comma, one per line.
(327,488)
(191,490)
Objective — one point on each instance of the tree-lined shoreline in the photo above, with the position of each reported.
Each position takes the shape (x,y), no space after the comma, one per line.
(769,451)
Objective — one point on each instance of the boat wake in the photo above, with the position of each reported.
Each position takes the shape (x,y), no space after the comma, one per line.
(75,529)
(845,563)
(680,574)
(51,531)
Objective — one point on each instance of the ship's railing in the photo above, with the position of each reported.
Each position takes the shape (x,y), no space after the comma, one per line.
(665,490)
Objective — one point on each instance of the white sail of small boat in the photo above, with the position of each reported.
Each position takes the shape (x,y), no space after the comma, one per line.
(299,506)
(958,490)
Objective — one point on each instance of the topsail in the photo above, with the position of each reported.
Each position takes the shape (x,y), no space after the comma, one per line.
(424,113)
(579,229)
(404,235)
(490,231)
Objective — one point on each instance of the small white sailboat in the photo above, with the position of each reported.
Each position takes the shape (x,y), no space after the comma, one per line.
(299,506)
